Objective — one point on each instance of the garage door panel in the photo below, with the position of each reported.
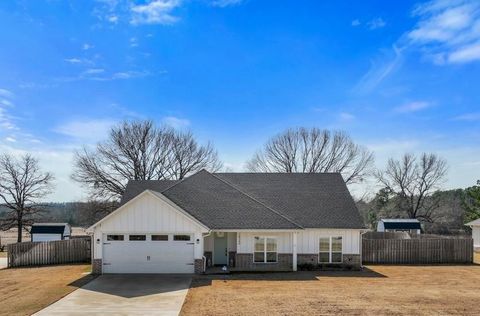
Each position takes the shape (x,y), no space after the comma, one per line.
(148,256)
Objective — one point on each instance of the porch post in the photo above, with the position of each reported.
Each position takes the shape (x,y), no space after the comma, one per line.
(294,251)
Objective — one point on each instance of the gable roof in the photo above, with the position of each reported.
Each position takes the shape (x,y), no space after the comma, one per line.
(135,187)
(48,228)
(221,206)
(313,200)
(474,223)
(260,200)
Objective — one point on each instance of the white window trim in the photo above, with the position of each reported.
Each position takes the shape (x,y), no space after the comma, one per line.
(330,250)
(265,250)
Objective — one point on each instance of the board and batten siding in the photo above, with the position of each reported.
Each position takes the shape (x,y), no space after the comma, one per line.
(307,240)
(148,214)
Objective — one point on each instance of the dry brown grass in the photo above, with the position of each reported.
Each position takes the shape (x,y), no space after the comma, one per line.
(476,257)
(3,254)
(392,290)
(24,291)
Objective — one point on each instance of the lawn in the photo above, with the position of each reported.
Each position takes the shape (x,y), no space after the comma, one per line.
(3,254)
(24,291)
(382,290)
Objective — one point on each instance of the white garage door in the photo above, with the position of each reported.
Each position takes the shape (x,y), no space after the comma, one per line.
(148,253)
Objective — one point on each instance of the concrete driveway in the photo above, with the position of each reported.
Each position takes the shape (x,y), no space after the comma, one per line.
(140,294)
(3,263)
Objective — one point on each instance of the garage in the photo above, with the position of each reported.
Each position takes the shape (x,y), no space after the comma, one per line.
(148,253)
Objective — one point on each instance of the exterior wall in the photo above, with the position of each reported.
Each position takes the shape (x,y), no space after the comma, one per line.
(46,237)
(199,266)
(244,262)
(308,240)
(149,214)
(476,236)
(97,266)
(245,241)
(380,227)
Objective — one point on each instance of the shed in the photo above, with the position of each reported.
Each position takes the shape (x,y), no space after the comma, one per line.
(410,225)
(475,225)
(50,231)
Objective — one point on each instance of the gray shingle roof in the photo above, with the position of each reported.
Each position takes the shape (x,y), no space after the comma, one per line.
(221,206)
(135,187)
(313,200)
(260,200)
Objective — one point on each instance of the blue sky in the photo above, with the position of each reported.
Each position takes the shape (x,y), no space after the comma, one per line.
(398,76)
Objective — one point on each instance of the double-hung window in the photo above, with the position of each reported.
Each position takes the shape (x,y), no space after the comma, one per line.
(265,249)
(330,250)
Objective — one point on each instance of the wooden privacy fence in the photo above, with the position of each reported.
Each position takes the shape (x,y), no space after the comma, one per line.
(50,252)
(417,251)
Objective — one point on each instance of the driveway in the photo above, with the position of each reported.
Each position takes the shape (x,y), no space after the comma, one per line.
(3,263)
(140,294)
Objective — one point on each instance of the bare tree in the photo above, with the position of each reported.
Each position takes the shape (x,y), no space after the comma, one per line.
(140,151)
(22,184)
(312,151)
(188,156)
(412,181)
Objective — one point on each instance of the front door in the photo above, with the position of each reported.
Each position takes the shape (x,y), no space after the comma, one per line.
(220,249)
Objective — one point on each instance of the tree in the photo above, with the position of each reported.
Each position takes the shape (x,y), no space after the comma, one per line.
(471,202)
(139,150)
(411,181)
(22,184)
(311,151)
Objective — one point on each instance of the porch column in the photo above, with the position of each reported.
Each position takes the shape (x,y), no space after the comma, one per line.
(294,251)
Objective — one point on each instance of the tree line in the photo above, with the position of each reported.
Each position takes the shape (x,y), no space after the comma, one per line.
(139,150)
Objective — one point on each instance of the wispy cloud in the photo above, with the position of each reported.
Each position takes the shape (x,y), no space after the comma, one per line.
(468,117)
(414,106)
(155,12)
(448,31)
(346,117)
(176,122)
(87,46)
(225,3)
(86,130)
(356,22)
(376,23)
(6,120)
(133,42)
(6,93)
(379,70)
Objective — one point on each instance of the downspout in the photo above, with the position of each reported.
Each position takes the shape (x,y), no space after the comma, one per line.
(203,256)
(361,246)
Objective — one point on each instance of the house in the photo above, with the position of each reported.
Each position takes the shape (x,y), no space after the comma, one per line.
(246,221)
(399,225)
(475,225)
(50,231)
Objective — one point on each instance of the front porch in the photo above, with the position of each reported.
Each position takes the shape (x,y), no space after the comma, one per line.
(250,251)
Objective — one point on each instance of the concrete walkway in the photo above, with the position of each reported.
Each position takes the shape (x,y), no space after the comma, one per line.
(141,294)
(3,263)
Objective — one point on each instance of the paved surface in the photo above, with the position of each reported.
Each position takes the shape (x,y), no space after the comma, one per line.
(3,263)
(140,294)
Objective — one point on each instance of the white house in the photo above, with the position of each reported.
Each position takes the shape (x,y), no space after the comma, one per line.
(50,231)
(245,221)
(399,225)
(475,225)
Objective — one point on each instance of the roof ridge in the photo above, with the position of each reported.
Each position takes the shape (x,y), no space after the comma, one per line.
(254,199)
(184,179)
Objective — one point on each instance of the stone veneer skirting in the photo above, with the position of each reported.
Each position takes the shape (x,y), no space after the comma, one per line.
(244,262)
(97,266)
(198,266)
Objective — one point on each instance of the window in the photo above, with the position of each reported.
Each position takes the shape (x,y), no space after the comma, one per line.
(137,237)
(114,237)
(265,249)
(181,237)
(330,250)
(159,237)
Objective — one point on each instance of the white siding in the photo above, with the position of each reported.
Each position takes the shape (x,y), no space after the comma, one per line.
(245,241)
(208,243)
(476,236)
(148,214)
(308,240)
(46,237)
